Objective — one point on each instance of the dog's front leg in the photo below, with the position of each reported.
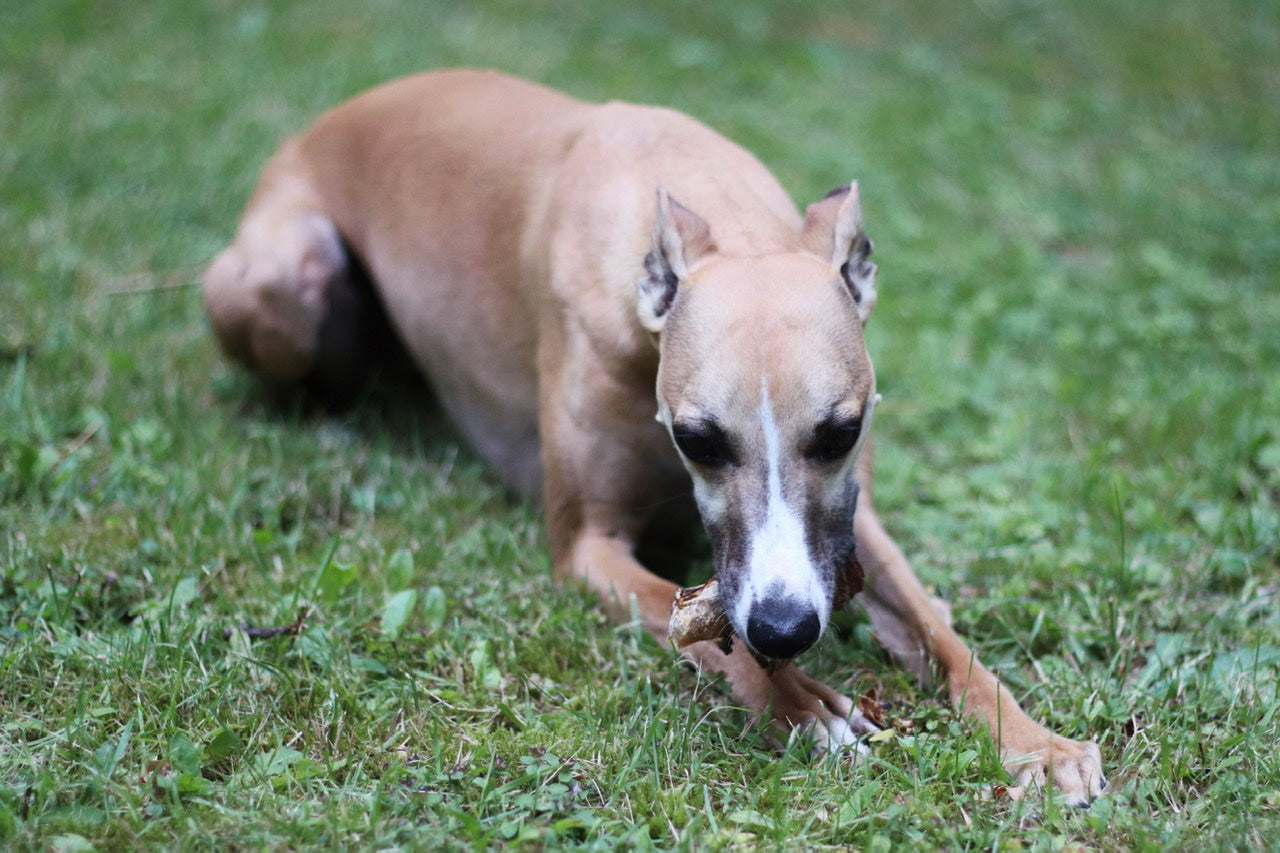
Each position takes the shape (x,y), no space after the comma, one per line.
(911,626)
(606,564)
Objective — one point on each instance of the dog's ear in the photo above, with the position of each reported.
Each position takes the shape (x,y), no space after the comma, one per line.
(680,238)
(833,232)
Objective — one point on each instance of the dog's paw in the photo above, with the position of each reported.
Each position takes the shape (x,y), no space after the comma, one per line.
(796,705)
(838,734)
(1072,768)
(808,708)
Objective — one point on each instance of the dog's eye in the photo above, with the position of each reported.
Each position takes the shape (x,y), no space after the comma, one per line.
(834,440)
(704,445)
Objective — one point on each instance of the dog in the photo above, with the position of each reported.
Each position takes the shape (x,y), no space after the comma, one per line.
(558,271)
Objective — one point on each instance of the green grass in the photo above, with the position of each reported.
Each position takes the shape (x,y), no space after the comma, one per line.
(1077,222)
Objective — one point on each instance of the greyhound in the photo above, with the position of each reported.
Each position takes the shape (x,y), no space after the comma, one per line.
(549,264)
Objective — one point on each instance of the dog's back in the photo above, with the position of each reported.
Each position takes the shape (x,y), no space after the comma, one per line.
(480,205)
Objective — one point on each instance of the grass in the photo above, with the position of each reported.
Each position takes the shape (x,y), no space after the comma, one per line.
(1078,339)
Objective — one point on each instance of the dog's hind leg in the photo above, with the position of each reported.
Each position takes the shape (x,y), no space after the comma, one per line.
(285,298)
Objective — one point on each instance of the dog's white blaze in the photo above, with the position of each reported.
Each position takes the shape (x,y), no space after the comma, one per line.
(778,555)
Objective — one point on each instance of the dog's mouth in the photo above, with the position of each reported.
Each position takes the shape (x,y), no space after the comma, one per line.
(780,623)
(699,614)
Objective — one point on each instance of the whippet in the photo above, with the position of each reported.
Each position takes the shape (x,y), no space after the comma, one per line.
(549,264)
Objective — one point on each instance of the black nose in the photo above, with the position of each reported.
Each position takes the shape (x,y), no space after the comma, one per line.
(782,627)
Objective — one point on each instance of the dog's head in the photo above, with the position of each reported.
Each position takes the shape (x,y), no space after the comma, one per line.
(766,388)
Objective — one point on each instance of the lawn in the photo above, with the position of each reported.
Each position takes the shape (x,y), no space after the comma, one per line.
(1076,209)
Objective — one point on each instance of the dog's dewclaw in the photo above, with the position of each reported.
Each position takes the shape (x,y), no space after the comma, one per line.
(697,614)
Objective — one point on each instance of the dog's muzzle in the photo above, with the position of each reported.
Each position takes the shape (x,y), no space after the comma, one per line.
(782,628)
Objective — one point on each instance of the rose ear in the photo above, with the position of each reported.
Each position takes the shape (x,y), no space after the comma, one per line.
(680,239)
(833,232)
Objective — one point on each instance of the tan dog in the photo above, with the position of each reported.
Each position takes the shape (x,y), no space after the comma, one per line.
(504,226)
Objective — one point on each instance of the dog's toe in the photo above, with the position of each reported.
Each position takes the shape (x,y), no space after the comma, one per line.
(1072,768)
(1079,778)
(842,733)
(837,735)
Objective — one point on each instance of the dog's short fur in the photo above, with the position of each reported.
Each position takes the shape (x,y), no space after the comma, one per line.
(504,227)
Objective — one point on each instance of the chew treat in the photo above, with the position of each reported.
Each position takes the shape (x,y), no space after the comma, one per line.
(848,583)
(697,614)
